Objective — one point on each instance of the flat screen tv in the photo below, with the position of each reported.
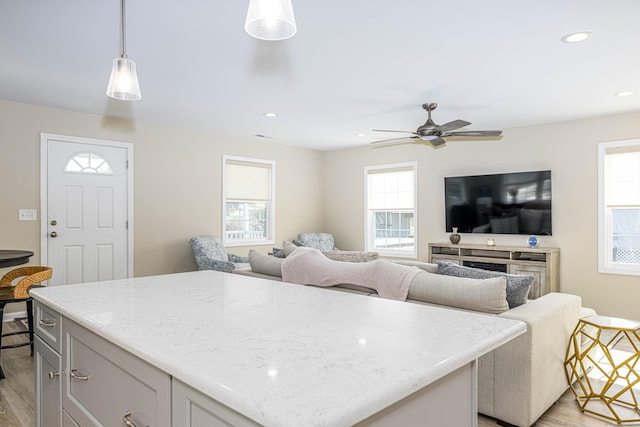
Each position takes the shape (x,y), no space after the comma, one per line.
(506,203)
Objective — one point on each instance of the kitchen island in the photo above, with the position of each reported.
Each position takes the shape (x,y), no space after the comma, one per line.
(258,352)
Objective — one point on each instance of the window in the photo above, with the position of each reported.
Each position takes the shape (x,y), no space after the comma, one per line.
(248,208)
(619,207)
(391,209)
(88,163)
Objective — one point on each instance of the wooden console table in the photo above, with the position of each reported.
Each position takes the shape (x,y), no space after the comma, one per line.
(541,263)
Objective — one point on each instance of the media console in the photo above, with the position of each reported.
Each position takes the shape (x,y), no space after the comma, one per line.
(541,263)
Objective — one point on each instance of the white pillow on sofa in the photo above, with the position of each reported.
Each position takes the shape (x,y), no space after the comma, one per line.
(484,295)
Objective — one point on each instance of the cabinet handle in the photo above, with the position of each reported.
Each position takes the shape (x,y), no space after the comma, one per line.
(53,375)
(126,419)
(47,323)
(74,375)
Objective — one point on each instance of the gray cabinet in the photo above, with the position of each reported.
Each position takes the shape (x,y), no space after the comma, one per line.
(193,409)
(541,263)
(105,385)
(48,365)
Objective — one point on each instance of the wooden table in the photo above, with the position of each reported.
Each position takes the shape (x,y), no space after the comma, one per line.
(9,258)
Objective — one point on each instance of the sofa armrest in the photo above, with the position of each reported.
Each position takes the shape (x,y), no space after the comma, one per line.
(237,258)
(530,368)
(205,263)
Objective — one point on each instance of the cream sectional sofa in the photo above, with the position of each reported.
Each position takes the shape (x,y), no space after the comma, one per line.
(519,381)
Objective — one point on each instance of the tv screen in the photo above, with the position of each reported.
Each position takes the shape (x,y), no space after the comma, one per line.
(507,203)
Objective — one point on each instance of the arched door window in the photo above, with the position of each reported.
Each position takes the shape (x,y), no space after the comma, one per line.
(89,163)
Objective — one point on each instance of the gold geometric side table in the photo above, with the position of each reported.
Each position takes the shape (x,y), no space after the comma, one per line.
(602,365)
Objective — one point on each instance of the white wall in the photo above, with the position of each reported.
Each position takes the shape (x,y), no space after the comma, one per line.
(177,188)
(568,149)
(177,182)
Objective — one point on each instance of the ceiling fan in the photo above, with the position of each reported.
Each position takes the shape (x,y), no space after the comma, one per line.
(433,134)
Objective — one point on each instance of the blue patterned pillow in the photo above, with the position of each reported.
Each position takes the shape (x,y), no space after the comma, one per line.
(518,286)
(278,253)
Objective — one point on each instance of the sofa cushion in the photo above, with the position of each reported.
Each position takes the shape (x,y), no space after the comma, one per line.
(517,285)
(484,295)
(426,266)
(351,256)
(265,264)
(288,247)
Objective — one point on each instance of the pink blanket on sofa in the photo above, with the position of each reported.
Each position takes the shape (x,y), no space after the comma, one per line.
(308,266)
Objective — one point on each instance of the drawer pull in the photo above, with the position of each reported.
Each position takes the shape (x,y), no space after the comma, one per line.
(53,375)
(126,419)
(75,376)
(47,323)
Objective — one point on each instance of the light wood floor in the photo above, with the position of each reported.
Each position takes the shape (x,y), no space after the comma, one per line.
(17,391)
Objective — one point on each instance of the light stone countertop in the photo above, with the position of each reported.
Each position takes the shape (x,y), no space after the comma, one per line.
(278,353)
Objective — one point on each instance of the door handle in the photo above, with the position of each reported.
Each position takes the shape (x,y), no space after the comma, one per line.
(54,234)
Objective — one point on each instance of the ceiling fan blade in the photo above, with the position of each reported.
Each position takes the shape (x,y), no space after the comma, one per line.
(385,142)
(437,142)
(475,133)
(456,124)
(386,130)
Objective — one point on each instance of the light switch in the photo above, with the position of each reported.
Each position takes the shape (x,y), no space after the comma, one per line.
(27,215)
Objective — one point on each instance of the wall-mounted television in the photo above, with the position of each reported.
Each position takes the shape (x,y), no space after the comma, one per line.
(506,203)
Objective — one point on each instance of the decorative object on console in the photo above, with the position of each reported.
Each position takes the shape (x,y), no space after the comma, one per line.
(455,237)
(490,242)
(533,241)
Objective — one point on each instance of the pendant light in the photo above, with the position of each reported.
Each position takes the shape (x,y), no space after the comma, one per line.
(270,19)
(123,84)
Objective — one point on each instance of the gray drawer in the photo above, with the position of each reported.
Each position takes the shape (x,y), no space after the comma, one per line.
(102,382)
(47,325)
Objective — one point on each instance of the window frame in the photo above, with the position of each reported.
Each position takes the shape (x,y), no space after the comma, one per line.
(605,225)
(369,223)
(271,203)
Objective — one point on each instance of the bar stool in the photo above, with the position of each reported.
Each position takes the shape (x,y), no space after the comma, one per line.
(10,293)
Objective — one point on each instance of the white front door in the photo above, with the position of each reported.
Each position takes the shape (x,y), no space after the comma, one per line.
(85,209)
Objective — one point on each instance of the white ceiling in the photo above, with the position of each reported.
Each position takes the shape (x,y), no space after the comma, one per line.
(354,65)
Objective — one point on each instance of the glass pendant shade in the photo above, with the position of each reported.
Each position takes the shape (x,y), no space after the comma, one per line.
(270,19)
(123,83)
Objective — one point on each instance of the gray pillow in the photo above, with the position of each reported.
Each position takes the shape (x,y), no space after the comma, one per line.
(518,286)
(265,264)
(484,295)
(288,247)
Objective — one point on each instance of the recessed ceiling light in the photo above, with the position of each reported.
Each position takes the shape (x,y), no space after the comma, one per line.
(270,114)
(361,134)
(625,93)
(576,37)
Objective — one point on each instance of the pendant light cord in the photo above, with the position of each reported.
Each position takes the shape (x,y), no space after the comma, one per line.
(123,28)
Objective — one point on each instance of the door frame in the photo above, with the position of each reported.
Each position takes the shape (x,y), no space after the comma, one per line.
(44,189)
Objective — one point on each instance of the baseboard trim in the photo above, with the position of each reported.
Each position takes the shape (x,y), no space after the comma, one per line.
(10,317)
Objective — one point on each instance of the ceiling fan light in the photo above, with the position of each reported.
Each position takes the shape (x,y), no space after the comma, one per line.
(270,19)
(123,83)
(428,137)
